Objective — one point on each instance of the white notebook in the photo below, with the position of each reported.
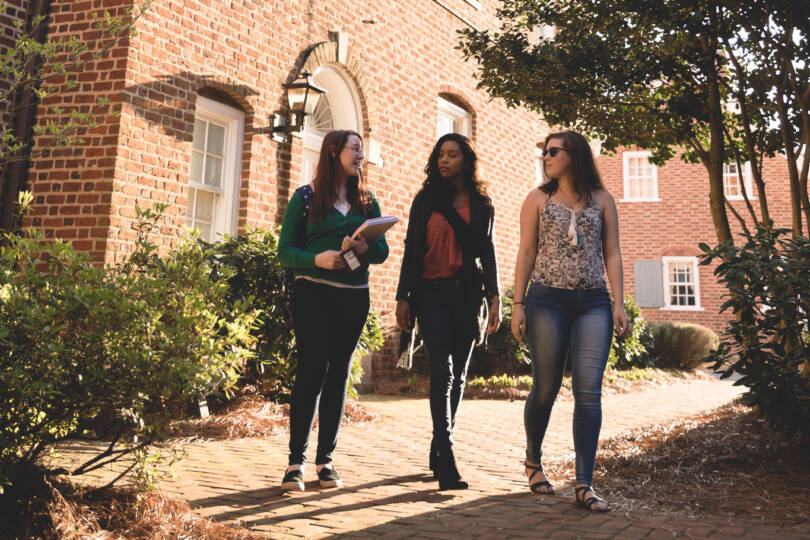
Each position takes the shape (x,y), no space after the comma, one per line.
(374,228)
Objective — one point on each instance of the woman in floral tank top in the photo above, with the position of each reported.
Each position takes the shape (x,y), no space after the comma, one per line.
(569,236)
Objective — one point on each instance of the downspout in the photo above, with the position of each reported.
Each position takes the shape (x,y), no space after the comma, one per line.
(25,107)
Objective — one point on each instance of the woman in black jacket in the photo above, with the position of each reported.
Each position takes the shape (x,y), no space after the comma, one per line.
(449,283)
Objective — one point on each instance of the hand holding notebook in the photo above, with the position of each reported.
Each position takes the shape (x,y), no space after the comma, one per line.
(371,230)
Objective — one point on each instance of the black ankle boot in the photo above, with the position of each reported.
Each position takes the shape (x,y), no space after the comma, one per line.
(449,477)
(432,460)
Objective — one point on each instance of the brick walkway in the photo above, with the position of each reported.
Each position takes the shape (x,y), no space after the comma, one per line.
(388,494)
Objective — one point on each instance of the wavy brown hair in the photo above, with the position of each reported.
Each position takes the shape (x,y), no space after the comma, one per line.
(324,183)
(583,166)
(438,188)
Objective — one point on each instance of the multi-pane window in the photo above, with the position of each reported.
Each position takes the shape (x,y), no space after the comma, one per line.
(733,180)
(452,119)
(214,168)
(681,287)
(640,177)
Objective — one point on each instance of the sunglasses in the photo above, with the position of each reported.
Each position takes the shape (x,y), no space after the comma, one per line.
(552,151)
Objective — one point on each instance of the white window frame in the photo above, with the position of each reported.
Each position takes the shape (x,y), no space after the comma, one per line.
(225,209)
(474,3)
(626,157)
(666,261)
(746,180)
(456,114)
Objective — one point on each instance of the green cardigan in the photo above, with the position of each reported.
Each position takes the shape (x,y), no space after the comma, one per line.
(324,235)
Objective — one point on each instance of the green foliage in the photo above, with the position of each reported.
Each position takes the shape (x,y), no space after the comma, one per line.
(109,353)
(767,340)
(501,350)
(716,82)
(522,382)
(633,348)
(682,345)
(256,278)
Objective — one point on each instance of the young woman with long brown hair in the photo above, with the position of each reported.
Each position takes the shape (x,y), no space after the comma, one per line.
(569,236)
(448,268)
(330,303)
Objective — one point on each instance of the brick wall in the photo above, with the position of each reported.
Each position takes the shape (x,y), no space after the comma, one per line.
(680,221)
(73,186)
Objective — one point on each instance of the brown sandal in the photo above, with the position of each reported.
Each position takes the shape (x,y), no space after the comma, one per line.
(536,486)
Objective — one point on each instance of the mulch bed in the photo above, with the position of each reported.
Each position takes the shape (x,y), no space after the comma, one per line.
(121,513)
(252,415)
(418,385)
(725,463)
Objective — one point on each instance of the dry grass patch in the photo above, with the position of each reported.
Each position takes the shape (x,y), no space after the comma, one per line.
(252,415)
(121,514)
(725,463)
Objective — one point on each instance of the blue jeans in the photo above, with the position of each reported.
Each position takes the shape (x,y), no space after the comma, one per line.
(448,331)
(577,324)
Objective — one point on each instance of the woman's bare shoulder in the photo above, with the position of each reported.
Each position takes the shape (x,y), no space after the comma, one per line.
(535,196)
(602,197)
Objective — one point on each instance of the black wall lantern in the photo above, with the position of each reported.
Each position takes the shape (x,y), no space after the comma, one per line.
(302,97)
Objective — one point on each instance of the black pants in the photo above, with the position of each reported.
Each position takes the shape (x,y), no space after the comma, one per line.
(448,331)
(328,321)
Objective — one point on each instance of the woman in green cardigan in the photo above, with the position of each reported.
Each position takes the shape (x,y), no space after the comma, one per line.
(330,302)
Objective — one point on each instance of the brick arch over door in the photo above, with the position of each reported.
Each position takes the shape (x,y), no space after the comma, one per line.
(327,52)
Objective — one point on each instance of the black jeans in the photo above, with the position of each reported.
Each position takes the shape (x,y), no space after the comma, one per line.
(448,331)
(328,321)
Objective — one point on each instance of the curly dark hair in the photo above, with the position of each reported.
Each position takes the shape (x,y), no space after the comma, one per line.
(437,188)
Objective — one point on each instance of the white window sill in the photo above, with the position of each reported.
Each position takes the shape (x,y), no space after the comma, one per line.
(681,308)
(741,198)
(640,200)
(474,3)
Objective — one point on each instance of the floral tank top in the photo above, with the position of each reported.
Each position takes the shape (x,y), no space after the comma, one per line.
(569,247)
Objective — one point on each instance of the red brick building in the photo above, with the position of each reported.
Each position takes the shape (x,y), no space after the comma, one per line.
(191,104)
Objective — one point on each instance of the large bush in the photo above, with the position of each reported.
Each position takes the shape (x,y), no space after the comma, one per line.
(110,353)
(682,345)
(633,348)
(766,342)
(256,279)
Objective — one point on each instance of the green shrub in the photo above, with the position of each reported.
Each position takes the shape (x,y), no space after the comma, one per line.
(256,279)
(110,353)
(682,345)
(633,348)
(766,342)
(501,352)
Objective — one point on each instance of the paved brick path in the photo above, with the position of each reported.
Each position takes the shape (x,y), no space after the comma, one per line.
(388,494)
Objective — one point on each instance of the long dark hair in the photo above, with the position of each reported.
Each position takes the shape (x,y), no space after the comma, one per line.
(583,167)
(437,188)
(324,182)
